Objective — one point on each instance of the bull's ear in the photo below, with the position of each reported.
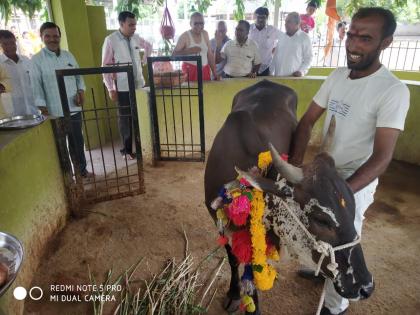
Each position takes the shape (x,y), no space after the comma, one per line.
(259,182)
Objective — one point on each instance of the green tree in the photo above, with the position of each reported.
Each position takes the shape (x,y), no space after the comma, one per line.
(28,7)
(406,11)
(140,8)
(200,6)
(239,12)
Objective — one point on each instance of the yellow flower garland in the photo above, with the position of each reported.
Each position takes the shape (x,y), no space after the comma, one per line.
(263,278)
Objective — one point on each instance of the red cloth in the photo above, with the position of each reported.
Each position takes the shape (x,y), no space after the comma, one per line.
(307,23)
(191,70)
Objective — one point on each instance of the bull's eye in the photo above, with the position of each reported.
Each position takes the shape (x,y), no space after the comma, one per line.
(322,222)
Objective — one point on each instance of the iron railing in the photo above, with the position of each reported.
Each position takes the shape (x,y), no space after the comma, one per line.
(177,109)
(114,176)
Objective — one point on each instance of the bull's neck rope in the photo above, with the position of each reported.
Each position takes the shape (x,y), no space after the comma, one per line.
(325,249)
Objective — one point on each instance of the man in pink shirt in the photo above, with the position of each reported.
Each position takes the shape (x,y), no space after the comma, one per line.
(123,46)
(307,22)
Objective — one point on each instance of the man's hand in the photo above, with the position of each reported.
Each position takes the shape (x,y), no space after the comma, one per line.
(252,75)
(2,88)
(297,74)
(113,95)
(79,99)
(194,50)
(44,110)
(217,77)
(219,39)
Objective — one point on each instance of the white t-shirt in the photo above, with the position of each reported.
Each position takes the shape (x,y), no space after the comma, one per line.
(360,106)
(240,59)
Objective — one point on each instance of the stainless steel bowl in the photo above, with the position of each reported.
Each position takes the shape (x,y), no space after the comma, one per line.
(11,254)
(21,122)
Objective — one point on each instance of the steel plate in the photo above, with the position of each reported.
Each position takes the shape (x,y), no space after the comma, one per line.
(11,254)
(21,122)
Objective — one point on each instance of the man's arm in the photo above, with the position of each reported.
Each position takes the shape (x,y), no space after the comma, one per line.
(181,47)
(108,58)
(254,70)
(220,53)
(306,58)
(210,56)
(147,49)
(5,81)
(302,134)
(38,88)
(256,63)
(80,84)
(383,148)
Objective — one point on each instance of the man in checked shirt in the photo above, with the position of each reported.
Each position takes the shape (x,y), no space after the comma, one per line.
(46,92)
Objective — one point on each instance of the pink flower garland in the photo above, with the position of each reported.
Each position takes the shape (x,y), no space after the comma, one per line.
(239,209)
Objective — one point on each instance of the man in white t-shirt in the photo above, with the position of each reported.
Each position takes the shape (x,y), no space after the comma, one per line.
(370,106)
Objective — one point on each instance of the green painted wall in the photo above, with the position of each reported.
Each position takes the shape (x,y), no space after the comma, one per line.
(83,32)
(218,98)
(98,31)
(33,204)
(403,75)
(408,145)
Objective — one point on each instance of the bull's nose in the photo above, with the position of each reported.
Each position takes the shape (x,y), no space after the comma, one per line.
(366,290)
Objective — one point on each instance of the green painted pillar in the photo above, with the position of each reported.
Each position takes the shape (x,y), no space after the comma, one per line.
(83,30)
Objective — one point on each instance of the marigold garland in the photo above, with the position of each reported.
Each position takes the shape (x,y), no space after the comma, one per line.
(263,279)
(264,160)
(239,204)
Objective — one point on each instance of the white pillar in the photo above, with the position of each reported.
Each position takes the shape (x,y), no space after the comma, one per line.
(277,5)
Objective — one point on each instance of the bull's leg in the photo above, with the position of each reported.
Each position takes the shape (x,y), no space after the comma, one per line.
(233,298)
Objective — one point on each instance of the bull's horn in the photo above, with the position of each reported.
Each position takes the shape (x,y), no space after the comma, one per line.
(326,144)
(292,173)
(249,177)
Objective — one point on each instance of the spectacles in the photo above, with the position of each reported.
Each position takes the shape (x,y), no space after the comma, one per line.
(198,23)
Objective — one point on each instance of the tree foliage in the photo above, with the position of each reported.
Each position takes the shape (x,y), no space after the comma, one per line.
(406,11)
(141,8)
(200,6)
(239,12)
(28,7)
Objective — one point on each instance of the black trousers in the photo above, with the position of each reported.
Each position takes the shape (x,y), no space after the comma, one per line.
(76,142)
(125,122)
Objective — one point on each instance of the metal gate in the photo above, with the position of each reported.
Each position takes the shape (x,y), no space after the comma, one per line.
(176,107)
(112,174)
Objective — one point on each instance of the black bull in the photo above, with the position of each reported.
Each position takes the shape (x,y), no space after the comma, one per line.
(266,113)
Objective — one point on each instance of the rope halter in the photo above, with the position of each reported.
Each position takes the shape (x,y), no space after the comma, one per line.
(325,249)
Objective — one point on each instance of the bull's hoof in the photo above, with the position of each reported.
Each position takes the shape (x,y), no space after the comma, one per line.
(231,305)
